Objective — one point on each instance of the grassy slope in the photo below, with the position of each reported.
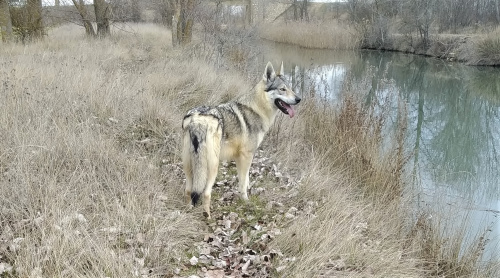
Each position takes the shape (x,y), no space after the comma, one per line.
(91,185)
(89,130)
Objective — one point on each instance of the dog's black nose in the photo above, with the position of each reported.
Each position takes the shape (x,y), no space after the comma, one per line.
(297,99)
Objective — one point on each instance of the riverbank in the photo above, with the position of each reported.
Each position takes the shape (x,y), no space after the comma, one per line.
(91,182)
(481,48)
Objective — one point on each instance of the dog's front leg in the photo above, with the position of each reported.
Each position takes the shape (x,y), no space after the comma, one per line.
(243,163)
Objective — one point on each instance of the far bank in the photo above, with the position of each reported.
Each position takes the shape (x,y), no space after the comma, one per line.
(476,47)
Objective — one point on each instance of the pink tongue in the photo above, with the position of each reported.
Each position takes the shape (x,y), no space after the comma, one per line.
(289,109)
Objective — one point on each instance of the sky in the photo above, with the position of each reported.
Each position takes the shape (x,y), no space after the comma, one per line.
(68,2)
(63,2)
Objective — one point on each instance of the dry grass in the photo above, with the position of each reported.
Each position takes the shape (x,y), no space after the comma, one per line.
(325,35)
(88,130)
(90,178)
(358,230)
(488,48)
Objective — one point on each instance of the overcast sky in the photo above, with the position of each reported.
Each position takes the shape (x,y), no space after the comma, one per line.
(63,2)
(68,2)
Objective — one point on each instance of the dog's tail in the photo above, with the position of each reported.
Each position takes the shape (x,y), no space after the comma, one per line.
(204,148)
(198,150)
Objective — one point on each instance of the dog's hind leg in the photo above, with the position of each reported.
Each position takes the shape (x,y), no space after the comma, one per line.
(213,166)
(243,162)
(188,169)
(213,154)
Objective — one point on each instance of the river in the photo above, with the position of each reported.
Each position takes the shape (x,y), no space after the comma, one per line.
(453,114)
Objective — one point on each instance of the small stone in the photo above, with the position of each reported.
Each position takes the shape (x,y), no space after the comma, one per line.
(220,264)
(244,237)
(140,238)
(337,264)
(245,266)
(5,267)
(269,205)
(233,216)
(292,210)
(265,237)
(280,268)
(113,120)
(193,261)
(217,273)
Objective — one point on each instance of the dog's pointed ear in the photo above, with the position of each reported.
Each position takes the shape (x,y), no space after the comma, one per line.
(269,73)
(281,72)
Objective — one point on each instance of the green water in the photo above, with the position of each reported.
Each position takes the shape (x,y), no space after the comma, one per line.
(453,119)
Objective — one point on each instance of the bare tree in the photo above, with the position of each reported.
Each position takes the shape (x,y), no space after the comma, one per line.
(130,10)
(5,20)
(35,22)
(295,10)
(420,15)
(87,23)
(102,15)
(166,10)
(182,23)
(303,10)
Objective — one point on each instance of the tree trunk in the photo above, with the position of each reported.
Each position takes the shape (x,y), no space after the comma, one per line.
(57,3)
(187,21)
(182,22)
(167,11)
(303,11)
(102,15)
(5,21)
(497,9)
(176,30)
(82,10)
(248,13)
(295,13)
(35,24)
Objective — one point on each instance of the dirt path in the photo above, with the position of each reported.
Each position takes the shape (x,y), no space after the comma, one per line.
(238,241)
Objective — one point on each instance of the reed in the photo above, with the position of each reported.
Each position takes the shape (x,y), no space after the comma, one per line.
(324,35)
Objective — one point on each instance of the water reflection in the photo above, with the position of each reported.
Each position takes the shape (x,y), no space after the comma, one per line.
(453,122)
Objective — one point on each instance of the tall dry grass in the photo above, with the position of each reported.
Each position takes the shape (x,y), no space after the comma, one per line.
(89,130)
(91,185)
(359,227)
(487,48)
(323,35)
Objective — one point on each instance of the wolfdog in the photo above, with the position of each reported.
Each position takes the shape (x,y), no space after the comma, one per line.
(231,131)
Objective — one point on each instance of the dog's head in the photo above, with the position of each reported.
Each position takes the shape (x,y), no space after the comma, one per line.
(278,91)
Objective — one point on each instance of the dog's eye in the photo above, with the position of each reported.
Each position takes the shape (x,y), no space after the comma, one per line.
(282,89)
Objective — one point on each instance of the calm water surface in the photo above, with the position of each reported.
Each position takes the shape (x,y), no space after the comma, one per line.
(453,114)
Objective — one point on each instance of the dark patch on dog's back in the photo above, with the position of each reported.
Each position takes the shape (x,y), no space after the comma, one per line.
(252,120)
(205,111)
(230,118)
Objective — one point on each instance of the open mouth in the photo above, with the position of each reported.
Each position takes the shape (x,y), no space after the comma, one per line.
(284,107)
